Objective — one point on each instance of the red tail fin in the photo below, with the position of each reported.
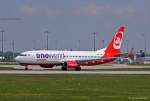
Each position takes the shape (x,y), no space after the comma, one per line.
(114,46)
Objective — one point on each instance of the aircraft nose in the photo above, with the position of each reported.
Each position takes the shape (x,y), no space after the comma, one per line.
(17,59)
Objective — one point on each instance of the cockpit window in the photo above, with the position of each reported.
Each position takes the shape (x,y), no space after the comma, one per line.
(22,55)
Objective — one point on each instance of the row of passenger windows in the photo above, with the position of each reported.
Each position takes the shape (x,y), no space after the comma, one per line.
(67,56)
(82,56)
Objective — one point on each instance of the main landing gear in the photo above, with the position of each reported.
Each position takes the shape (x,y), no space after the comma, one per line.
(65,67)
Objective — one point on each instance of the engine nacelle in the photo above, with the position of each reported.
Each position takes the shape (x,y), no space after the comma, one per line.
(72,64)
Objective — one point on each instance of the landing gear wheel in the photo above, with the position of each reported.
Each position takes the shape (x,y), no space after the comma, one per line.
(26,68)
(78,68)
(64,68)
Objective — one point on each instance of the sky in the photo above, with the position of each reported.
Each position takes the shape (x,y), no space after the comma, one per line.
(68,21)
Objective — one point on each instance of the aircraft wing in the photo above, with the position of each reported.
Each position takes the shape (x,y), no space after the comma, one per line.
(76,62)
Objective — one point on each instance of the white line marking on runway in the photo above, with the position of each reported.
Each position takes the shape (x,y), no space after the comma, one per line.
(72,72)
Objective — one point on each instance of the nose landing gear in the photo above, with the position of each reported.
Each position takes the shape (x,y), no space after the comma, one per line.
(26,68)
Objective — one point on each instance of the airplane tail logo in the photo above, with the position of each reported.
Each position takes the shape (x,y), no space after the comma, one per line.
(118,40)
(114,46)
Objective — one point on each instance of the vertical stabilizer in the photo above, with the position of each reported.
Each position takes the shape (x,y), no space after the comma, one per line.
(113,48)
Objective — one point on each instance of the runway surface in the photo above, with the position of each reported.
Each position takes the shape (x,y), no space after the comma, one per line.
(72,72)
(100,69)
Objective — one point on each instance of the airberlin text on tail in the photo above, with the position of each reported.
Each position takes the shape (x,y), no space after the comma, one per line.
(113,48)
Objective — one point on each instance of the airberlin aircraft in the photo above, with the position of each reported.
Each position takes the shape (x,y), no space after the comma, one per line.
(73,59)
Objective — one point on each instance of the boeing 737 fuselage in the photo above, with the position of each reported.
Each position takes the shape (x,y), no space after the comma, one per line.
(73,59)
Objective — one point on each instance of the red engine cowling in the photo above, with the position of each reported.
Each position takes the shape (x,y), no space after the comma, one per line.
(72,64)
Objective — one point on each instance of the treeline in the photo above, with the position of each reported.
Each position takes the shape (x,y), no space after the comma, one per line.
(8,56)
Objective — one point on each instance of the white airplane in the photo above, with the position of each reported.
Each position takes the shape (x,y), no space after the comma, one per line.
(73,59)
